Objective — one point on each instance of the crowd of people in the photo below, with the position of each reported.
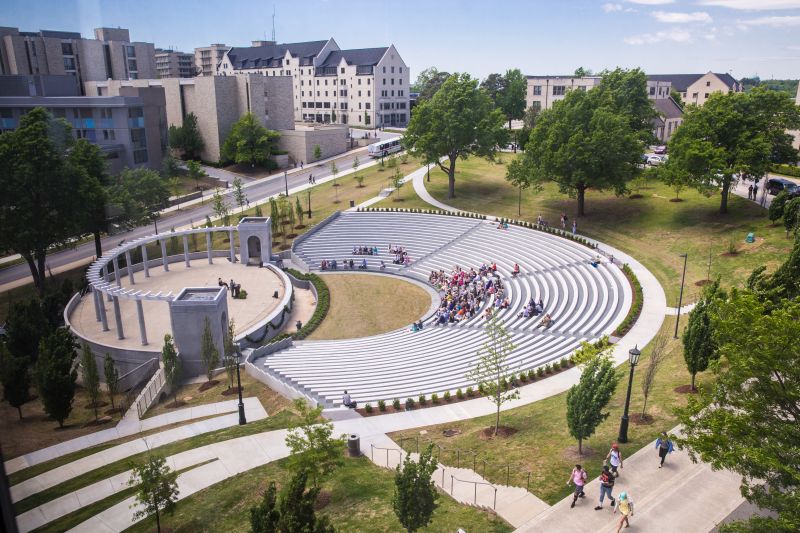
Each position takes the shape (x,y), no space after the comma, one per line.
(233,287)
(401,256)
(463,292)
(365,250)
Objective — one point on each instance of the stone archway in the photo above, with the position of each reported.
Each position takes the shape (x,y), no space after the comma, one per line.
(253,250)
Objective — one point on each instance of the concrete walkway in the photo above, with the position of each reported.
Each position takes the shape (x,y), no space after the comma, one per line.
(686,309)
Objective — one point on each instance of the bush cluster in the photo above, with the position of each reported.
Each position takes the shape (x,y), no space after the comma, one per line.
(787,170)
(323,303)
(462,214)
(636,307)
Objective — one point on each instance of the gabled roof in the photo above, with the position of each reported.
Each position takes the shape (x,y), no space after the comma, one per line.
(668,108)
(680,82)
(358,56)
(270,55)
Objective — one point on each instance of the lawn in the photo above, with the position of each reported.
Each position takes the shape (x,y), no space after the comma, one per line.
(360,500)
(653,229)
(542,444)
(364,305)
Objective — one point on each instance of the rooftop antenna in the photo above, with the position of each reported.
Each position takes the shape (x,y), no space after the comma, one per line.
(273,24)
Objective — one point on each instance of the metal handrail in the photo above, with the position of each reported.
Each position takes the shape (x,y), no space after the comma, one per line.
(475,486)
(373,447)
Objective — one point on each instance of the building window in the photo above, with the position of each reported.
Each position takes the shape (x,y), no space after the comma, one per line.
(392,70)
(130,50)
(706,95)
(287,62)
(368,81)
(359,93)
(652,91)
(708,84)
(694,95)
(69,63)
(342,70)
(537,105)
(392,93)
(66,49)
(537,90)
(369,93)
(392,81)
(401,70)
(366,105)
(559,90)
(359,81)
(384,69)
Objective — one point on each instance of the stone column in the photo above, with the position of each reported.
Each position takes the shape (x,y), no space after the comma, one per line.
(144,261)
(116,272)
(118,319)
(105,278)
(164,255)
(96,297)
(233,246)
(142,330)
(103,317)
(130,266)
(186,250)
(208,247)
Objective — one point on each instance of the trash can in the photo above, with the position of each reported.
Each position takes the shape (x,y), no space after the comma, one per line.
(352,203)
(353,445)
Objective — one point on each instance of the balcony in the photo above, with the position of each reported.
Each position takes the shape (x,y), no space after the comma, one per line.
(325,71)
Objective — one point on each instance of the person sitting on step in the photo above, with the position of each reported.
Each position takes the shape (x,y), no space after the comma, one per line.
(363,265)
(515,272)
(347,401)
(546,321)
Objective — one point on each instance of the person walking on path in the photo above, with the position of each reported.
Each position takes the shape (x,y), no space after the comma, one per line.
(614,458)
(664,446)
(750,192)
(578,477)
(606,486)
(574,227)
(625,507)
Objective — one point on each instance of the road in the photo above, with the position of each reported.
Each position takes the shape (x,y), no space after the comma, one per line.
(255,191)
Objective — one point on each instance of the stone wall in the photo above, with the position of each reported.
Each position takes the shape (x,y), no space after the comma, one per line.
(300,143)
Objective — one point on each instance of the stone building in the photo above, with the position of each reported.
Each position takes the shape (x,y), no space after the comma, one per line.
(206,58)
(697,88)
(172,64)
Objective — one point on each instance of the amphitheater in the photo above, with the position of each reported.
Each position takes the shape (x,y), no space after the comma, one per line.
(585,302)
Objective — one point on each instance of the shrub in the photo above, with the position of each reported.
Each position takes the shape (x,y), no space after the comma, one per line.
(368,408)
(503,383)
(564,362)
(422,399)
(470,392)
(539,372)
(787,170)
(396,404)
(531,374)
(447,396)
(409,404)
(548,369)
(434,398)
(459,394)
(523,377)
(381,406)
(636,306)
(323,303)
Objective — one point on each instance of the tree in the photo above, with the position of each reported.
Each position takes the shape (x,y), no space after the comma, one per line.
(775,211)
(170,167)
(41,205)
(530,117)
(791,215)
(359,179)
(511,98)
(675,95)
(494,84)
(187,138)
(92,193)
(293,513)
(658,353)
(265,516)
(298,211)
(592,139)
(313,449)
(587,399)
(517,177)
(249,142)
(699,345)
(174,185)
(15,378)
(397,181)
(209,353)
(734,134)
(458,121)
(415,493)
(490,372)
(195,172)
(229,355)
(428,83)
(581,72)
(274,216)
(25,327)
(112,377)
(239,195)
(55,374)
(156,488)
(317,152)
(220,206)
(90,376)
(138,192)
(334,172)
(172,366)
(746,421)
(673,177)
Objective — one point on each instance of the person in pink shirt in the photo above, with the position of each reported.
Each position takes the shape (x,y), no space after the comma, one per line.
(578,477)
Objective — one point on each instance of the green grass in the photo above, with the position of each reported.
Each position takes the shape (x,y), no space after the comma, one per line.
(543,445)
(652,228)
(360,501)
(279,421)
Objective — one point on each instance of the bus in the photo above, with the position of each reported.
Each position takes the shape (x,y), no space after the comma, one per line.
(383,148)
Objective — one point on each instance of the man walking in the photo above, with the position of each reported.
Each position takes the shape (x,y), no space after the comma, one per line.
(614,458)
(578,477)
(606,486)
(664,446)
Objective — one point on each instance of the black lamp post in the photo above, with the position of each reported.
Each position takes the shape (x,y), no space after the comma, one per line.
(309,202)
(633,359)
(680,297)
(242,419)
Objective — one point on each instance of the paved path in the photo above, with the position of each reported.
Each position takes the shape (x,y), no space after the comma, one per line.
(686,309)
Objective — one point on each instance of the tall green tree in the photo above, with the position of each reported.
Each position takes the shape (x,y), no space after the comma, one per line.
(494,84)
(186,138)
(239,195)
(592,139)
(784,283)
(791,215)
(15,378)
(249,142)
(428,83)
(265,516)
(93,194)
(220,206)
(746,421)
(491,372)
(195,172)
(699,345)
(458,121)
(229,355)
(172,365)
(156,489)
(90,376)
(313,448)
(138,193)
(56,375)
(580,72)
(112,377)
(318,152)
(170,167)
(775,211)
(209,353)
(25,327)
(293,512)
(587,399)
(735,134)
(511,98)
(298,210)
(415,493)
(41,204)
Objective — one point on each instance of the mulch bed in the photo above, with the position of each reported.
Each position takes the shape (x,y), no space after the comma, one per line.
(451,432)
(502,432)
(730,254)
(676,199)
(640,420)
(323,499)
(175,405)
(702,282)
(572,454)
(685,389)
(635,196)
(231,391)
(208,385)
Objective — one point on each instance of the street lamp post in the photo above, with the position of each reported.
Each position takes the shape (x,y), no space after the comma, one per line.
(286,182)
(680,297)
(429,172)
(633,358)
(309,203)
(242,419)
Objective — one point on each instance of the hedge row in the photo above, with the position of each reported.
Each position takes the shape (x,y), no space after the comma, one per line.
(787,170)
(636,307)
(462,214)
(323,304)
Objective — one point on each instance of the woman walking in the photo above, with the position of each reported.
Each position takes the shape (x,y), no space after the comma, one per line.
(625,507)
(614,458)
(664,446)
(606,486)
(578,477)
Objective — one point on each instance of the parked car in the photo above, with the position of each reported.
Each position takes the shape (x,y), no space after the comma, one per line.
(776,185)
(655,160)
(660,150)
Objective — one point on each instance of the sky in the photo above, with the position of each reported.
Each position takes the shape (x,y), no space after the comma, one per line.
(743,37)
